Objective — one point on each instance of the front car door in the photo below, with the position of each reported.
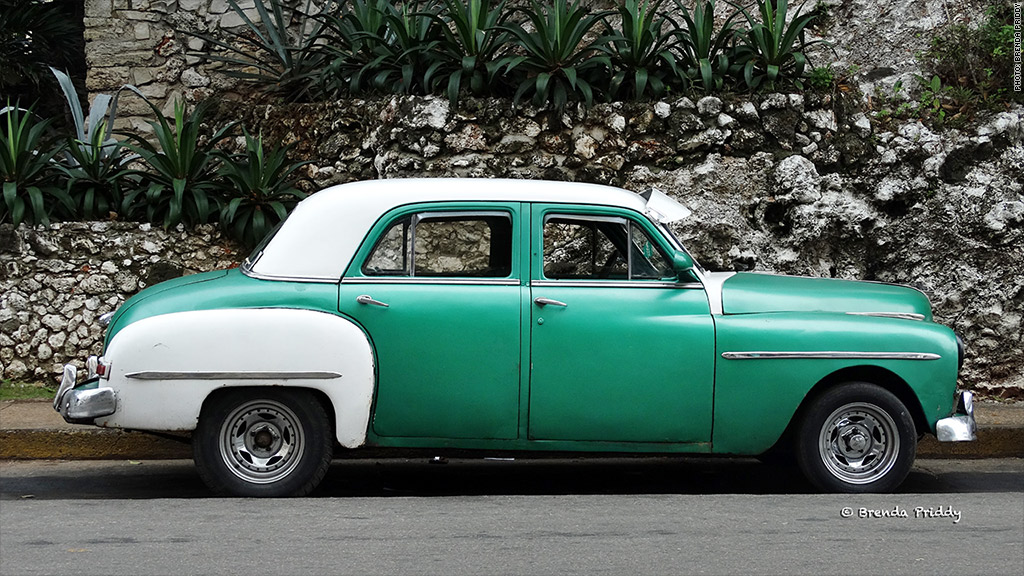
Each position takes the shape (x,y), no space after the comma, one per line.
(621,350)
(437,289)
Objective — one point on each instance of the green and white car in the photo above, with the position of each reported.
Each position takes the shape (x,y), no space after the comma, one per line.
(514,316)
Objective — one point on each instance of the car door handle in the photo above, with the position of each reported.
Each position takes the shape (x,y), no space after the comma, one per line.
(367,299)
(546,301)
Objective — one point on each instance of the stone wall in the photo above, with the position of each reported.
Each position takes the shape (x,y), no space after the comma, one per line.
(782,183)
(148,43)
(55,281)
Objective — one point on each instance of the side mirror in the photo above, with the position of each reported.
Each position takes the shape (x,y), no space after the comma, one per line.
(681,261)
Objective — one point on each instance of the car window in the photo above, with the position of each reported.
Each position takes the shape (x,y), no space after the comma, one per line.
(601,248)
(444,245)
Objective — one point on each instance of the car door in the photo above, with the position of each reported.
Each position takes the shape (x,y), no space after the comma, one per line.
(437,290)
(621,349)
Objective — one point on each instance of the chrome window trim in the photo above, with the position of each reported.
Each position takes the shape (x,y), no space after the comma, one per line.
(828,355)
(427,280)
(230,375)
(615,284)
(903,315)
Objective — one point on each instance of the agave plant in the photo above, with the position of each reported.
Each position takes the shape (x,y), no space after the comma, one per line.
(181,183)
(704,48)
(92,161)
(282,63)
(405,57)
(30,191)
(557,60)
(771,50)
(355,33)
(471,47)
(641,49)
(263,191)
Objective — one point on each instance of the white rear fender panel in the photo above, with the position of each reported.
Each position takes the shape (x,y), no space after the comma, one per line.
(163,367)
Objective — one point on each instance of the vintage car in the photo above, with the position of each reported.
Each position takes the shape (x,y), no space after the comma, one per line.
(515,316)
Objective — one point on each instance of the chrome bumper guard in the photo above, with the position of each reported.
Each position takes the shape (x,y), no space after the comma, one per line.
(82,405)
(959,427)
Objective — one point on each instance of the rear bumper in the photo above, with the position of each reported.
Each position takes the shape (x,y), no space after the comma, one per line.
(960,427)
(83,403)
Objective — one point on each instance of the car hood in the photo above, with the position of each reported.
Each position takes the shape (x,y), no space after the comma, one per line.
(750,293)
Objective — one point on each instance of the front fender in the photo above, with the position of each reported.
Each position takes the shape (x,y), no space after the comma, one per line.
(163,367)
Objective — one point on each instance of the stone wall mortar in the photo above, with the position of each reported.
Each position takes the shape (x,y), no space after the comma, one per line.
(55,282)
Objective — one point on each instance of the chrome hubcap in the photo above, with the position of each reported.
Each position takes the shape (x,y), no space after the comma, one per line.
(859,443)
(261,441)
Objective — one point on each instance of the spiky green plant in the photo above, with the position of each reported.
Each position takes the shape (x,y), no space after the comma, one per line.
(704,47)
(263,190)
(281,62)
(93,161)
(772,51)
(558,62)
(27,171)
(641,50)
(181,183)
(471,46)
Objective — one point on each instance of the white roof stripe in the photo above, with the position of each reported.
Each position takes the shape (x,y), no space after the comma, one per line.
(321,236)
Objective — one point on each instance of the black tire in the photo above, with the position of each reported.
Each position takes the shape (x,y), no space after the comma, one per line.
(263,442)
(856,437)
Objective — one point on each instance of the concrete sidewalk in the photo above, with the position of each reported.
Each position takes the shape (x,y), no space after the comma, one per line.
(31,429)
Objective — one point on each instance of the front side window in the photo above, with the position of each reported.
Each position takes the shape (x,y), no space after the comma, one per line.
(601,248)
(445,245)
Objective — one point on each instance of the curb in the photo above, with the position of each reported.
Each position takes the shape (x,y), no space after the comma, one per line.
(88,445)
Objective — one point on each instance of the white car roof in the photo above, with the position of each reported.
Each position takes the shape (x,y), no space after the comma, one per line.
(319,239)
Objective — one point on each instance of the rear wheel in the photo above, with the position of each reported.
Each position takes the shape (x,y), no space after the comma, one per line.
(263,442)
(856,437)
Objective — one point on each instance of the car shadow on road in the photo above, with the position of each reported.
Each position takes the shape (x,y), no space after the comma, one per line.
(425,477)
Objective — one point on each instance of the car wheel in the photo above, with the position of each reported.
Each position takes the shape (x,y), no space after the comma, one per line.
(857,437)
(263,442)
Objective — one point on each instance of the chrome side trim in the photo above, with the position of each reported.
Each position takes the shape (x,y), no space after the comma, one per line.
(614,284)
(713,286)
(310,279)
(440,281)
(903,315)
(230,375)
(829,355)
(960,427)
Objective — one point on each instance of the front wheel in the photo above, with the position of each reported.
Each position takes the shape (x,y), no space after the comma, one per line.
(856,437)
(263,442)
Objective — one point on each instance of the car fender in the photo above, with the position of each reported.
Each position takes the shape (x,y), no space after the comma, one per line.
(163,367)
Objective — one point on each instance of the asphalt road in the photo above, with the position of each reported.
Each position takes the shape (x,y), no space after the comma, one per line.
(618,516)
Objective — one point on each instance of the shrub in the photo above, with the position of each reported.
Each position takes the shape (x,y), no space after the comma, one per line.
(93,162)
(978,61)
(771,51)
(642,50)
(261,190)
(705,49)
(557,62)
(27,171)
(181,184)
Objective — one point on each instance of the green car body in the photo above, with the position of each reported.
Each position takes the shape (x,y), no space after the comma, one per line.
(544,320)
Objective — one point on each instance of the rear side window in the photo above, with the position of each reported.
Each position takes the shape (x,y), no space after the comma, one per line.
(444,245)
